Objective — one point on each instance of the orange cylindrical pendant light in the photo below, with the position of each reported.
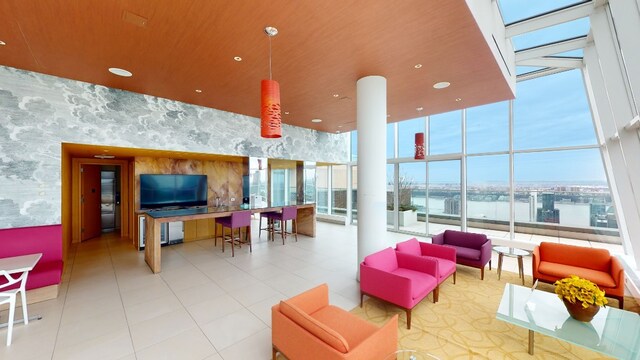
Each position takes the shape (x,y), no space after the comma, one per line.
(270,117)
(419,155)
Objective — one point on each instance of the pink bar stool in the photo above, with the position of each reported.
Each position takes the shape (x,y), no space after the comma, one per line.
(288,213)
(237,220)
(269,227)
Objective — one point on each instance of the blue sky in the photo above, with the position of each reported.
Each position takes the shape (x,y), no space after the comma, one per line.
(549,112)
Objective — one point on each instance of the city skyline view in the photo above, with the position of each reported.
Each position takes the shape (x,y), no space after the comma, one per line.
(546,133)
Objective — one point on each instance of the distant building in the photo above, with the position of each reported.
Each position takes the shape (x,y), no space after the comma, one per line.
(602,216)
(452,206)
(548,213)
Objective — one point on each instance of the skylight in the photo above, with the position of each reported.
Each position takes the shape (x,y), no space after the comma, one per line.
(551,34)
(515,10)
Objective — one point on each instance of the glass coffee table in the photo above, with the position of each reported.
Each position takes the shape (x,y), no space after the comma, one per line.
(511,252)
(612,331)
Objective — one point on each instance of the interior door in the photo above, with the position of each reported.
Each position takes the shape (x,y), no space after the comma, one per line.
(108,200)
(90,201)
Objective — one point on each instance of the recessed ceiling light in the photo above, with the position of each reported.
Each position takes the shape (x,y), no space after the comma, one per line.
(419,108)
(339,126)
(286,113)
(458,99)
(120,72)
(316,120)
(198,91)
(441,85)
(2,43)
(417,66)
(388,115)
(237,58)
(336,95)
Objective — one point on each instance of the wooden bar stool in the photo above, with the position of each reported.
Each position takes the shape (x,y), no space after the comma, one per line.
(237,220)
(288,213)
(269,227)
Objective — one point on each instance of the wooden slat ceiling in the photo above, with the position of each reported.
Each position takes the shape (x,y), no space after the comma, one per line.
(174,47)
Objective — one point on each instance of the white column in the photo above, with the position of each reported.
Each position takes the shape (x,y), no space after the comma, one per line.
(372,137)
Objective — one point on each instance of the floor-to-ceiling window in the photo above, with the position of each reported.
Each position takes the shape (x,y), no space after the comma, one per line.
(443,179)
(412,197)
(487,137)
(559,178)
(258,180)
(339,190)
(445,133)
(488,205)
(391,196)
(354,193)
(284,186)
(331,185)
(558,188)
(322,188)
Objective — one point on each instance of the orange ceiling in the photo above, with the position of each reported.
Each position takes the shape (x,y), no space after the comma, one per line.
(174,47)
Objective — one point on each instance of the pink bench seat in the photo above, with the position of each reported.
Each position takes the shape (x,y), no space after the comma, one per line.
(45,239)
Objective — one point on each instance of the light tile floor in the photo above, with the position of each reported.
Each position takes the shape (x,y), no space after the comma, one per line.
(203,305)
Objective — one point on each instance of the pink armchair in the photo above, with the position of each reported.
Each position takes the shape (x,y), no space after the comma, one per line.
(398,278)
(445,256)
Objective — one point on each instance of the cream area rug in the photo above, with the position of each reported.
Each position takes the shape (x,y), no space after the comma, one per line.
(463,324)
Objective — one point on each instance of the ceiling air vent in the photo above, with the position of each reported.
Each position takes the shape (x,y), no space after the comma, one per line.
(134,19)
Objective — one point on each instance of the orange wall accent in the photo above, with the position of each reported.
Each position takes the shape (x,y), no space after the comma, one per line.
(73,186)
(67,200)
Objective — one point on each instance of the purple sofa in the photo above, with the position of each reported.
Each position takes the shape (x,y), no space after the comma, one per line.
(401,279)
(471,249)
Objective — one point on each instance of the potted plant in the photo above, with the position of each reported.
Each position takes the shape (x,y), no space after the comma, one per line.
(581,297)
(407,215)
(407,212)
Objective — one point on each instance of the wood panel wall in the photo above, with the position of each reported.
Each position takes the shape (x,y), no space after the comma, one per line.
(224,178)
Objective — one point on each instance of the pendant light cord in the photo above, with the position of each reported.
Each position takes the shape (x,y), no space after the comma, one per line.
(270,77)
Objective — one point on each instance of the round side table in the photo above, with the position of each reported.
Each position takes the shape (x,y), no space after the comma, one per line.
(511,252)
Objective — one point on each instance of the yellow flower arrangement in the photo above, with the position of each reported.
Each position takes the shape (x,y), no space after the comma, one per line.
(578,289)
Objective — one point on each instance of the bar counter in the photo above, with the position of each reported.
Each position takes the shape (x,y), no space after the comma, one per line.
(306,221)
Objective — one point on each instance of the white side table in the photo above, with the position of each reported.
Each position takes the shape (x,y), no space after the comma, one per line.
(15,270)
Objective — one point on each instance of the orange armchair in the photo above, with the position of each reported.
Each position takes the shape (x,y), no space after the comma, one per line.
(553,262)
(307,327)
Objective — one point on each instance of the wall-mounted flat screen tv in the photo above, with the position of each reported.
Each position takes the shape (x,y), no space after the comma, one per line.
(163,190)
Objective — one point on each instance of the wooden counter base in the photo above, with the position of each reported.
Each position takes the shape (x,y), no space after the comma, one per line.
(306,220)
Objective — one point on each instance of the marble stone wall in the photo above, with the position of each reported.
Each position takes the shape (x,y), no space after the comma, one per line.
(38,112)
